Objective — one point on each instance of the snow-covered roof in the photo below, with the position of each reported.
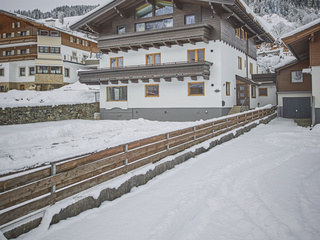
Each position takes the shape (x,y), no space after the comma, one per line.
(302,28)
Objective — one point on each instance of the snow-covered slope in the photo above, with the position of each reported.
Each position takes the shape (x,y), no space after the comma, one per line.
(69,94)
(253,188)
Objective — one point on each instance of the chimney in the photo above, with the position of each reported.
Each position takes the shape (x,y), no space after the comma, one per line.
(51,22)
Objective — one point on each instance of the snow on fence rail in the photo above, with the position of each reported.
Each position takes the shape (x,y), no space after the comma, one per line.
(28,191)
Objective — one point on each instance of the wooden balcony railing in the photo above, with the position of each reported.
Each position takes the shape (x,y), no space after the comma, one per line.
(18,57)
(155,38)
(166,71)
(19,39)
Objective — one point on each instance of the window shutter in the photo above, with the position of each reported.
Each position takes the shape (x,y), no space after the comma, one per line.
(3,53)
(18,24)
(18,51)
(12,52)
(12,25)
(4,35)
(71,39)
(12,34)
(28,50)
(28,33)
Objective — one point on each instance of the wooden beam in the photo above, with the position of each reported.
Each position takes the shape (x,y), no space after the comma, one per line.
(156,79)
(134,80)
(145,47)
(180,78)
(145,80)
(192,41)
(177,3)
(124,81)
(179,43)
(121,12)
(124,49)
(134,48)
(167,79)
(226,15)
(93,28)
(114,81)
(156,45)
(167,44)
(194,78)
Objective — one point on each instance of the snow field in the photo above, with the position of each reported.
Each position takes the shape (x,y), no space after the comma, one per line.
(262,185)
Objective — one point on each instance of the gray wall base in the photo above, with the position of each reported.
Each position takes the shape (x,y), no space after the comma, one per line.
(163,114)
(317,116)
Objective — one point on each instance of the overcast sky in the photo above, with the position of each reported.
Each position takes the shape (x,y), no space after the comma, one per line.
(44,5)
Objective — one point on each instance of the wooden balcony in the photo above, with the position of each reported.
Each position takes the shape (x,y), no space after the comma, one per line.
(18,57)
(155,38)
(19,39)
(167,71)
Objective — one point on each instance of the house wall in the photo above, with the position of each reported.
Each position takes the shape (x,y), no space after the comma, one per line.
(173,102)
(316,93)
(284,78)
(315,52)
(270,99)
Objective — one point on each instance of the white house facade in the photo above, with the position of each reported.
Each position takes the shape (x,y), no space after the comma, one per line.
(198,66)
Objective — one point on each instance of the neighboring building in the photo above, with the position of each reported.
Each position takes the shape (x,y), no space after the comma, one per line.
(35,54)
(265,89)
(179,60)
(299,82)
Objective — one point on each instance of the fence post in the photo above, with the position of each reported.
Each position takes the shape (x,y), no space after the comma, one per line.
(53,173)
(194,130)
(167,137)
(125,150)
(212,128)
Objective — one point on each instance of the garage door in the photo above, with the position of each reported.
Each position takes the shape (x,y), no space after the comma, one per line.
(297,107)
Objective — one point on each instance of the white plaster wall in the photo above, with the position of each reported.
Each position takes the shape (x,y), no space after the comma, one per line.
(73,68)
(270,99)
(6,67)
(171,94)
(15,68)
(316,85)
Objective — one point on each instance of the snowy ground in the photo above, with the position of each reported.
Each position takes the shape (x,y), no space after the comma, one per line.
(33,144)
(69,94)
(262,185)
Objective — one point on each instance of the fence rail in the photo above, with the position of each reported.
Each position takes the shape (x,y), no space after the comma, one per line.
(28,191)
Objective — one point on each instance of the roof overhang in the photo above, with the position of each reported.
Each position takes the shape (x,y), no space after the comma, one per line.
(298,42)
(91,22)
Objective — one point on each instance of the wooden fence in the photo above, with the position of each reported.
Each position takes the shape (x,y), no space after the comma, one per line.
(29,191)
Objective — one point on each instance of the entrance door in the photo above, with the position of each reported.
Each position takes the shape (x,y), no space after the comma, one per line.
(242,95)
(297,107)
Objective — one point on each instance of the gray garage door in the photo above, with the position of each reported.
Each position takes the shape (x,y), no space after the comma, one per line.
(297,107)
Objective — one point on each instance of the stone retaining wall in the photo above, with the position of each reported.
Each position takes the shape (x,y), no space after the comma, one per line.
(33,114)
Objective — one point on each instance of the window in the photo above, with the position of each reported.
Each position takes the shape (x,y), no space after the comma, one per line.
(42,69)
(8,35)
(121,29)
(163,7)
(157,8)
(1,88)
(67,72)
(239,63)
(240,33)
(23,33)
(1,72)
(296,77)
(22,71)
(144,11)
(116,62)
(253,91)
(153,59)
(196,89)
(228,88)
(16,25)
(116,93)
(23,51)
(56,70)
(43,49)
(165,23)
(263,92)
(152,90)
(44,33)
(196,55)
(31,71)
(55,34)
(55,50)
(251,68)
(189,19)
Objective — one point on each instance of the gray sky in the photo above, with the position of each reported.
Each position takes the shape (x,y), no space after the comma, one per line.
(44,5)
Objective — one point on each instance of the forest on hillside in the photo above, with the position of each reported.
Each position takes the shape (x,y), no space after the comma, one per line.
(58,12)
